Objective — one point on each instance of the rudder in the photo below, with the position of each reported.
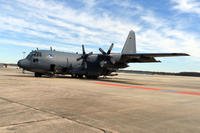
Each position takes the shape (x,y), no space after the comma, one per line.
(130,44)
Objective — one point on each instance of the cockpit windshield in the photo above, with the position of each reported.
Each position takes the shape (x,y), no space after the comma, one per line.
(29,56)
(34,54)
(37,54)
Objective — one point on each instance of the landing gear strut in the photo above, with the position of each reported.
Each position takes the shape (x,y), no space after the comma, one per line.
(74,75)
(80,76)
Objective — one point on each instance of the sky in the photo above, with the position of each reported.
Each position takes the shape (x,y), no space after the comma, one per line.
(160,26)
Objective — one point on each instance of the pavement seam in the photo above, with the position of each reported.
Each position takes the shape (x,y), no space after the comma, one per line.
(53,113)
(27,122)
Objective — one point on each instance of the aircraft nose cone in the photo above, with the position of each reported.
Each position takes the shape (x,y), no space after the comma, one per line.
(19,63)
(22,63)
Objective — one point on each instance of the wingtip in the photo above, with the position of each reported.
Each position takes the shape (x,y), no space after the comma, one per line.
(185,54)
(181,54)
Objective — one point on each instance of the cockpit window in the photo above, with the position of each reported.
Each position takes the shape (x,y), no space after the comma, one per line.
(34,54)
(37,54)
(29,56)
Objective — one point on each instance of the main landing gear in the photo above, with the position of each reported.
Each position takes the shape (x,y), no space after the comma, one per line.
(87,76)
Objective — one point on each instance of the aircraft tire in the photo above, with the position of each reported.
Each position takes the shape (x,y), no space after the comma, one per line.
(80,76)
(37,74)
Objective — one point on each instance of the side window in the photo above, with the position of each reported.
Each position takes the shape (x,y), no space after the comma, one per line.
(35,60)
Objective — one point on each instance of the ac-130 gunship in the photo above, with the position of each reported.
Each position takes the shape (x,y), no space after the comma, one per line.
(50,62)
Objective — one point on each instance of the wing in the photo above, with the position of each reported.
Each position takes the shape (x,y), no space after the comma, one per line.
(147,57)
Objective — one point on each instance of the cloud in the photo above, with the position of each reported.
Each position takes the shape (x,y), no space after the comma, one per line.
(89,3)
(187,6)
(66,24)
(69,27)
(38,45)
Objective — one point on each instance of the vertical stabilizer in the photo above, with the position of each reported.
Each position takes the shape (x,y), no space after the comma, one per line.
(130,44)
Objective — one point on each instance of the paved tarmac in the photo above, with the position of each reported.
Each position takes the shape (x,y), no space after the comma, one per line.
(128,103)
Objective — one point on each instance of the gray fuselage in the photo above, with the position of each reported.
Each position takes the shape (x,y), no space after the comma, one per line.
(50,61)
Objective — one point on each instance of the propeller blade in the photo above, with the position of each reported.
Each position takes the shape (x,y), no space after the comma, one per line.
(102,51)
(83,48)
(110,49)
(79,58)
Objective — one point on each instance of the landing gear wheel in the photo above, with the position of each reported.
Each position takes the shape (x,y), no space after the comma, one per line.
(80,76)
(37,74)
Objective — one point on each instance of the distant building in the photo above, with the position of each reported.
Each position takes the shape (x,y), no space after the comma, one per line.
(4,65)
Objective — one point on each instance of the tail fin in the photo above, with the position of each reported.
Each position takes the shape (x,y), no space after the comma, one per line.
(130,44)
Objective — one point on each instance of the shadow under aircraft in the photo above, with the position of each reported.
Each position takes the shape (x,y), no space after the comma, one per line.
(89,65)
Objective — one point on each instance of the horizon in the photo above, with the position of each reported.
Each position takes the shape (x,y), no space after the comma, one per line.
(169,26)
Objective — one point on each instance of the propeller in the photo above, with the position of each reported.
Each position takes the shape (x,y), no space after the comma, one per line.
(107,59)
(84,57)
(108,52)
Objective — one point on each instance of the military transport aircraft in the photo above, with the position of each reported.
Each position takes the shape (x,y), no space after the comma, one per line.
(50,62)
